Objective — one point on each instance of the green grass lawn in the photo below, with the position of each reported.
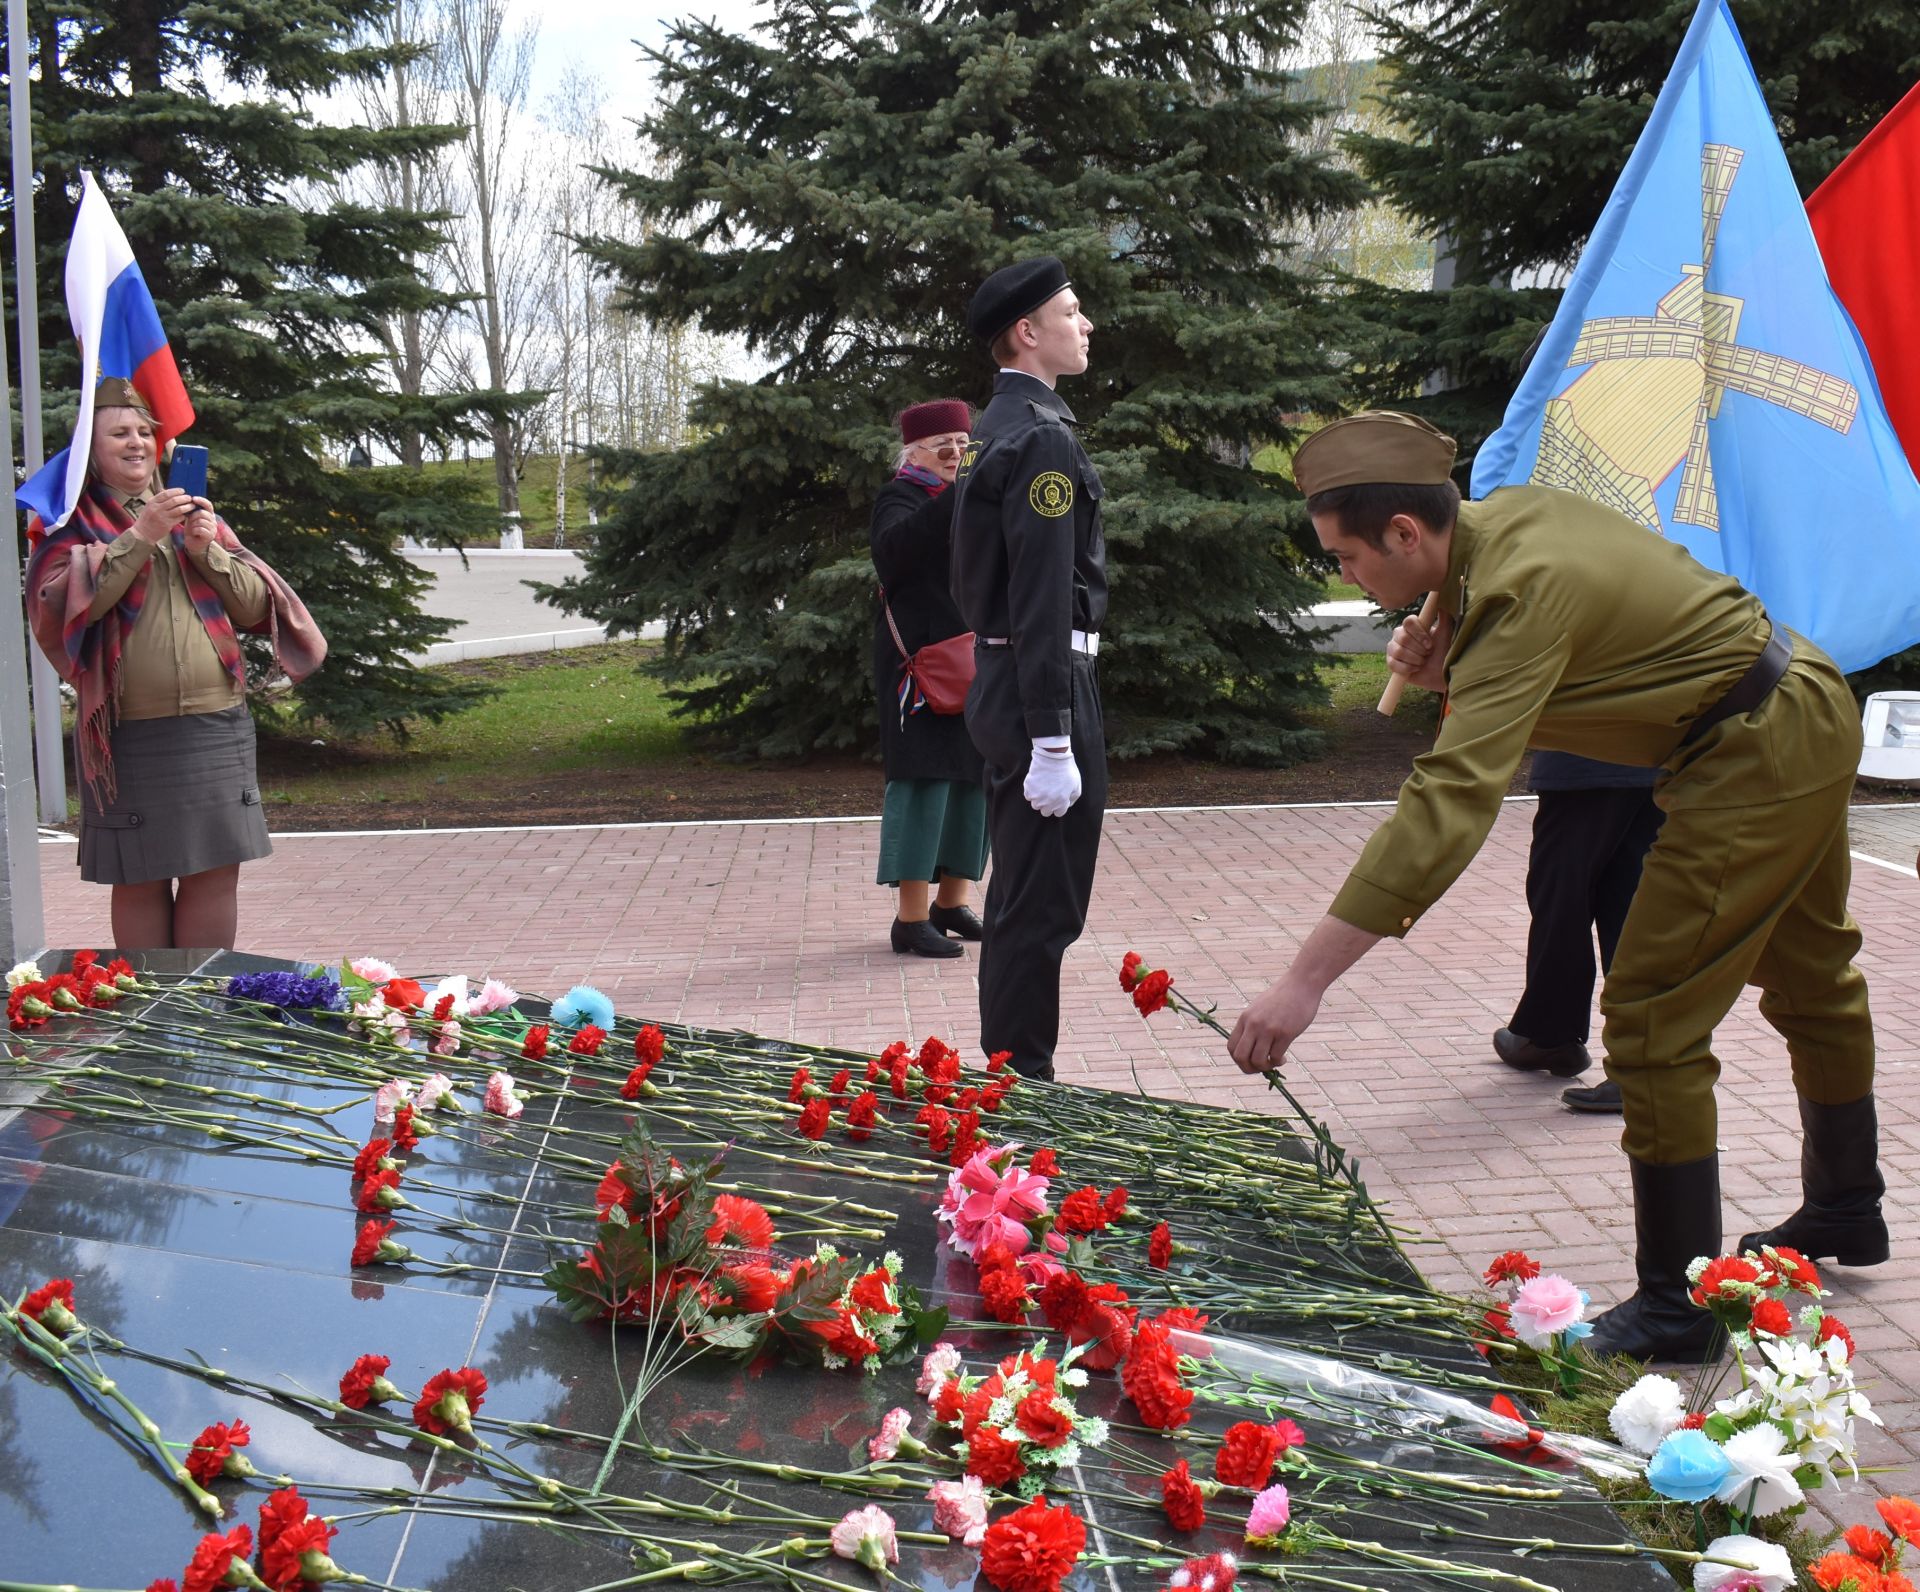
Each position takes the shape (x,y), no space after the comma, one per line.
(536,496)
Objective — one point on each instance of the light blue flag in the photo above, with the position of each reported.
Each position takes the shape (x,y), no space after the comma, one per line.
(1701,377)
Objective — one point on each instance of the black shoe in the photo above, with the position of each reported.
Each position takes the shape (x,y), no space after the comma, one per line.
(957,921)
(1563,1061)
(1603,1097)
(1839,1217)
(922,939)
(1676,1219)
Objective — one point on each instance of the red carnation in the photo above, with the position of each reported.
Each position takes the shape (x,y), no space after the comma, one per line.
(1160,1246)
(1246,1455)
(443,1008)
(587,1040)
(861,1114)
(1833,1327)
(636,1081)
(1003,1294)
(402,994)
(1033,1549)
(1130,966)
(897,1078)
(449,1401)
(649,1045)
(166,1583)
(1108,1333)
(1082,1212)
(1043,1421)
(381,1192)
(840,1081)
(1186,1504)
(370,1242)
(283,1562)
(948,1402)
(1150,994)
(995,1094)
(1512,1266)
(1184,1318)
(1044,1164)
(997,1062)
(214,1453)
(813,1118)
(534,1046)
(51,1304)
(1773,1318)
(367,1162)
(992,1458)
(1694,1420)
(406,1137)
(939,1125)
(215,1556)
(1064,1299)
(797,1086)
(1151,1376)
(1116,1203)
(282,1510)
(364,1383)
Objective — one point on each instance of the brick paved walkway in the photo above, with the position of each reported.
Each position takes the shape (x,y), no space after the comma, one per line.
(776,927)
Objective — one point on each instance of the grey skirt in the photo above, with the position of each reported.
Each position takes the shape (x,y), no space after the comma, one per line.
(187,800)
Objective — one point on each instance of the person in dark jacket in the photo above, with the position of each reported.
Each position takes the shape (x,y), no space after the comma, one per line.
(933,826)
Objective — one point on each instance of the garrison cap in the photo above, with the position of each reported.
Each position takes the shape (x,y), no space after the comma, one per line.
(116,392)
(1014,291)
(1379,446)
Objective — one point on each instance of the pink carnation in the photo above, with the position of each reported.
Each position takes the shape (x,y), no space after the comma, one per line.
(501,1100)
(986,1206)
(867,1535)
(387,1098)
(493,997)
(373,970)
(437,1088)
(447,1041)
(1269,1515)
(1544,1307)
(942,1361)
(885,1443)
(960,1509)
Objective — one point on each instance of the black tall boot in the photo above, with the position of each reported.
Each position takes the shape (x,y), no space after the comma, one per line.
(1676,1217)
(1840,1186)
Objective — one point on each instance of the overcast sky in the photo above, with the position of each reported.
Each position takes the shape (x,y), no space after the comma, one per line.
(599,36)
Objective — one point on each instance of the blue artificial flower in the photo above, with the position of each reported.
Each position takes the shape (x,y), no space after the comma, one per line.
(1580,1329)
(1688,1466)
(289,991)
(581,1005)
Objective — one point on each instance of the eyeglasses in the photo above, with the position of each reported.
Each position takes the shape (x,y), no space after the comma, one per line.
(943,444)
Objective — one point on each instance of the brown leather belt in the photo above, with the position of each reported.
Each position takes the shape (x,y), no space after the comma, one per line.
(1750,690)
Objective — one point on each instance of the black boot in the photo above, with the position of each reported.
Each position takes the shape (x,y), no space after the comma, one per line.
(1840,1185)
(922,939)
(958,921)
(1676,1217)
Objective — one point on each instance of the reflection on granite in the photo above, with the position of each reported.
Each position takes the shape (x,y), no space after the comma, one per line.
(233,1250)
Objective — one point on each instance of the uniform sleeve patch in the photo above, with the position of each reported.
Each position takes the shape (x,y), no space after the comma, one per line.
(1050,494)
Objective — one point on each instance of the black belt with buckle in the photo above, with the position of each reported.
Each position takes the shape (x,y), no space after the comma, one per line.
(1750,690)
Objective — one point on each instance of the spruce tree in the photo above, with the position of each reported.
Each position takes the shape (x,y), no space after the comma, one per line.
(830,192)
(1515,119)
(200,124)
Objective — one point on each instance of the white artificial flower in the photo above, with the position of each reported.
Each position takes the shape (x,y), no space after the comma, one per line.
(1074,1378)
(1752,1562)
(1091,1430)
(1643,1415)
(455,984)
(23,973)
(1760,1478)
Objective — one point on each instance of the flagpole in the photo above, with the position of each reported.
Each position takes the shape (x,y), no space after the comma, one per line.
(46,685)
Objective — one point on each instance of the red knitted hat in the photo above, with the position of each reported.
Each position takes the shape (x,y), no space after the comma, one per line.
(935,419)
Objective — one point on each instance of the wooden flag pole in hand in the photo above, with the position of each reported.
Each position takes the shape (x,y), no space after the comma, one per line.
(1396,683)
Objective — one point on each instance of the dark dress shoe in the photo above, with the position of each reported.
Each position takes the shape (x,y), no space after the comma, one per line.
(922,939)
(957,921)
(1603,1098)
(1519,1052)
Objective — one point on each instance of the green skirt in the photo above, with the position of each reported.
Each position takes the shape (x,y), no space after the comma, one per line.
(932,828)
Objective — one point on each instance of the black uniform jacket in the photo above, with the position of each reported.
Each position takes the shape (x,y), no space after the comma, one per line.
(1029,556)
(909,534)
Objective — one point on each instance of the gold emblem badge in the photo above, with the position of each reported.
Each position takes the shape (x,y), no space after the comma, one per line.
(1051,494)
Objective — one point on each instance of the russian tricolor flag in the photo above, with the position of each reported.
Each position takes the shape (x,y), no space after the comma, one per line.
(119,332)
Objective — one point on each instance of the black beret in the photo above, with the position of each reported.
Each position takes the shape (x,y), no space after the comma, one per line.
(1011,292)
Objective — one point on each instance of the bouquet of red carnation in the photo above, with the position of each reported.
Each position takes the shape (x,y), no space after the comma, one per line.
(1015,1423)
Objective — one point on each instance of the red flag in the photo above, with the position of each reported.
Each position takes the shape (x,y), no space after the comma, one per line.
(1866,216)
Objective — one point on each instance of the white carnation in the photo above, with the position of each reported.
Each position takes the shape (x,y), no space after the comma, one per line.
(1643,1415)
(23,973)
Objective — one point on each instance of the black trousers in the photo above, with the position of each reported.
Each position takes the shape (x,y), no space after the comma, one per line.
(1042,877)
(1581,874)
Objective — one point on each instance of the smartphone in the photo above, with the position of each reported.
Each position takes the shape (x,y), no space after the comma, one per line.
(188,470)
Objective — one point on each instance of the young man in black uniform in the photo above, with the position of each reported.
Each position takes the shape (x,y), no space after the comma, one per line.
(1030,576)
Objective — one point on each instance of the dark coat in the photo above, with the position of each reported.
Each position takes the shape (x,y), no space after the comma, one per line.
(910,539)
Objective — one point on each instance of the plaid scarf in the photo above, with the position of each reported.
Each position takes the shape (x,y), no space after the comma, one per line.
(921,477)
(62,574)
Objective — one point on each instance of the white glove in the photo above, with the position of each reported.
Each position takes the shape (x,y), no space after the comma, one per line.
(1053,778)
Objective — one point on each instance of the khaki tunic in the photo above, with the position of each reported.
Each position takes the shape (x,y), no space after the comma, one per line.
(1578,630)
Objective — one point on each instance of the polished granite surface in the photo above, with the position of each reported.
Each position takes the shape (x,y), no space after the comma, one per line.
(232,1250)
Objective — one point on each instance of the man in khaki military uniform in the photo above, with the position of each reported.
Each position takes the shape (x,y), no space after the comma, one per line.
(1564,625)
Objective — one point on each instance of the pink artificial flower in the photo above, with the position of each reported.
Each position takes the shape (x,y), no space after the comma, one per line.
(1545,1307)
(960,1509)
(387,1098)
(1269,1515)
(493,997)
(885,1443)
(373,970)
(942,1361)
(447,1041)
(866,1535)
(501,1100)
(986,1206)
(437,1088)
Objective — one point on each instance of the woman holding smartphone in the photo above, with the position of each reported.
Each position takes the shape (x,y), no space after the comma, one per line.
(137,600)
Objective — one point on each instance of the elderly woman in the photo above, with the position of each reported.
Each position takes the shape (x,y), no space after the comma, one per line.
(136,599)
(933,827)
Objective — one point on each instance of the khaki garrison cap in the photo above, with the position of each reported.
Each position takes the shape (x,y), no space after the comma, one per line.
(116,392)
(1376,447)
